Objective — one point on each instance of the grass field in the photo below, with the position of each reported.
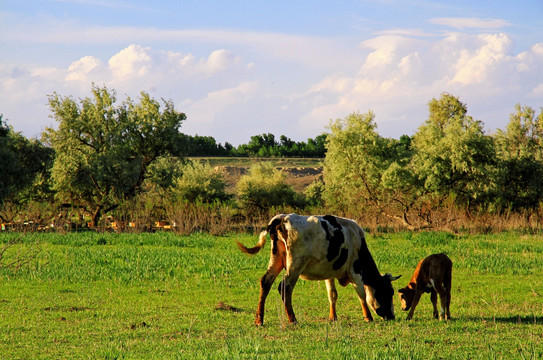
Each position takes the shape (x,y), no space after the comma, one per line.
(164,296)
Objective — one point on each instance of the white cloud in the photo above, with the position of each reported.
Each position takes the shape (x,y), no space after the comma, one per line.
(164,74)
(134,61)
(470,22)
(230,96)
(490,54)
(83,68)
(401,74)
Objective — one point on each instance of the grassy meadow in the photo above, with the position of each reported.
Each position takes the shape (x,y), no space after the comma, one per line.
(164,296)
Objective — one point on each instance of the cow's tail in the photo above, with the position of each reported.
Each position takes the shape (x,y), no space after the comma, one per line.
(259,245)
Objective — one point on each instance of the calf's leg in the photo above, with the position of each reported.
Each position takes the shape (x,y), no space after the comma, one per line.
(416,299)
(443,297)
(433,298)
(447,284)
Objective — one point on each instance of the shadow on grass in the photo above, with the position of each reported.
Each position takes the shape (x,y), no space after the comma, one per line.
(513,319)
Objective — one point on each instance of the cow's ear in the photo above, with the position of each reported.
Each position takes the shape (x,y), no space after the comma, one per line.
(392,278)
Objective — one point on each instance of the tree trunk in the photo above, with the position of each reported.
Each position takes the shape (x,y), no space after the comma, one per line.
(96,217)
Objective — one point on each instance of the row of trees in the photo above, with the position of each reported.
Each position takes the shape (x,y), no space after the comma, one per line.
(264,145)
(103,154)
(449,163)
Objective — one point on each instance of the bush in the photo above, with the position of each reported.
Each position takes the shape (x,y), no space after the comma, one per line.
(314,193)
(265,187)
(200,183)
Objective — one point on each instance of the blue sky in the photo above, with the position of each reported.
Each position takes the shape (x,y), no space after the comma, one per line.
(241,68)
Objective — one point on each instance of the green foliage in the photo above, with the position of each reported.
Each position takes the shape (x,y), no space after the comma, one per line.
(24,165)
(519,175)
(164,172)
(265,145)
(314,193)
(200,182)
(452,153)
(365,172)
(263,188)
(523,137)
(103,151)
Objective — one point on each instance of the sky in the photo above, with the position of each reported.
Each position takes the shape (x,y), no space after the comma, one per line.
(287,67)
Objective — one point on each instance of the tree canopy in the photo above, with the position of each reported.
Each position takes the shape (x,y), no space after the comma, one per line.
(103,149)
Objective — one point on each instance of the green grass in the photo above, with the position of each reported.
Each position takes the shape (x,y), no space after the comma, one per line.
(155,296)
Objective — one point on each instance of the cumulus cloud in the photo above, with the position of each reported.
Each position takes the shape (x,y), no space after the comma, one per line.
(231,97)
(164,74)
(400,74)
(83,69)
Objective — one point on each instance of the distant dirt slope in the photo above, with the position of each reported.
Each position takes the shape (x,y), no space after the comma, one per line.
(298,177)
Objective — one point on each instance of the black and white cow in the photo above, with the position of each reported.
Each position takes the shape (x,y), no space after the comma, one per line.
(322,248)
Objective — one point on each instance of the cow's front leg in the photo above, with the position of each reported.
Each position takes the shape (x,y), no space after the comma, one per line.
(361,292)
(332,298)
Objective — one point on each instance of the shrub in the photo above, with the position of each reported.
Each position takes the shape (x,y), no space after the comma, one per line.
(265,187)
(314,193)
(200,182)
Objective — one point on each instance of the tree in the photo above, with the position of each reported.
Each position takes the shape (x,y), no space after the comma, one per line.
(523,137)
(24,165)
(103,150)
(519,178)
(364,171)
(453,157)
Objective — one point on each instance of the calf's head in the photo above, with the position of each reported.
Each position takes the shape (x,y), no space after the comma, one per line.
(406,297)
(380,297)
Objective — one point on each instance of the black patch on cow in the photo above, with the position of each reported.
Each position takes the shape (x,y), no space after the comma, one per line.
(365,266)
(341,259)
(332,220)
(272,230)
(335,239)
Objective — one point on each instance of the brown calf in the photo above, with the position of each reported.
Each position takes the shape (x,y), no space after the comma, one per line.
(432,275)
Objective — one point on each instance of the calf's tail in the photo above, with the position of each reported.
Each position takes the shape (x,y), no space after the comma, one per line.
(259,245)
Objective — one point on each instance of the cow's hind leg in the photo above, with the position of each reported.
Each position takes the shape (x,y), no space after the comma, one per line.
(266,282)
(332,298)
(293,270)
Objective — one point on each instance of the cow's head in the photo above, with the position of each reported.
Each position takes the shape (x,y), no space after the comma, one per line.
(380,297)
(406,297)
